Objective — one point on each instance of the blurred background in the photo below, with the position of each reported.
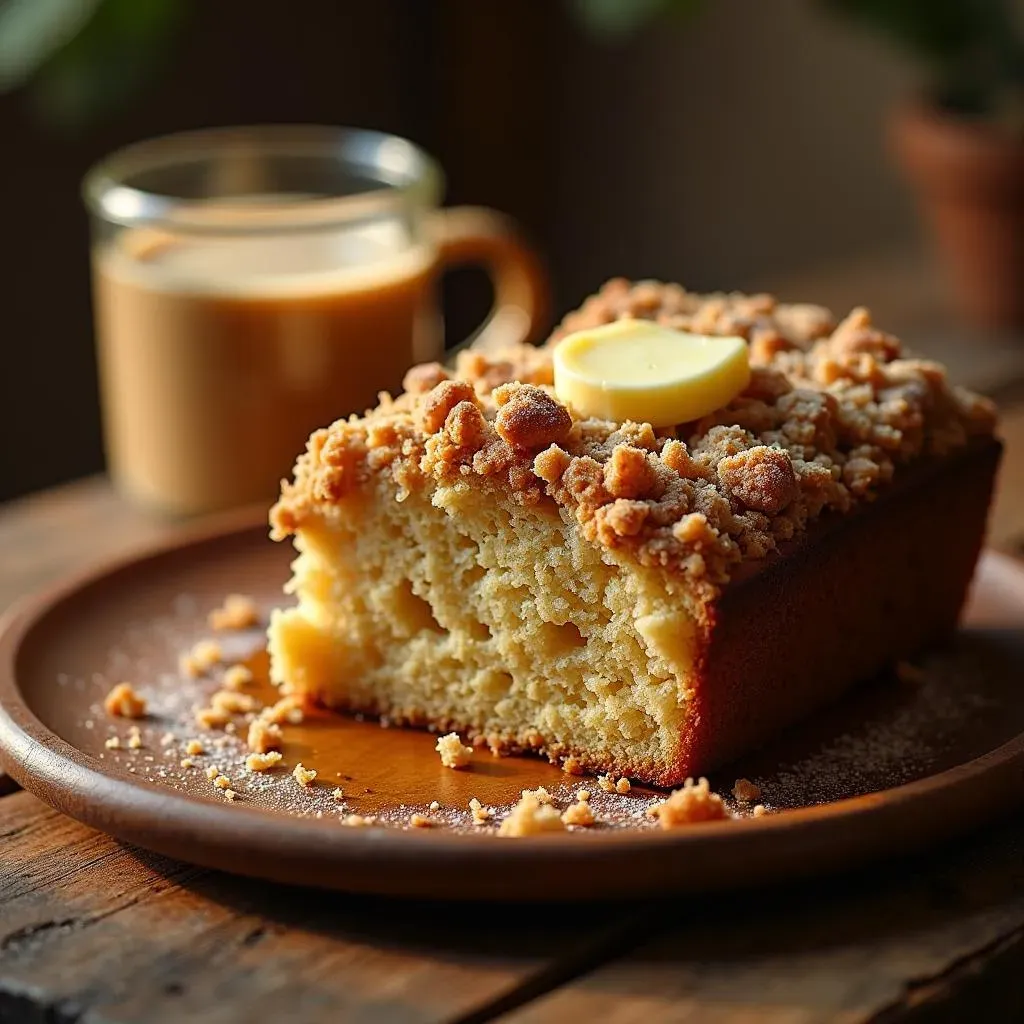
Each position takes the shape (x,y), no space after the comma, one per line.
(728,144)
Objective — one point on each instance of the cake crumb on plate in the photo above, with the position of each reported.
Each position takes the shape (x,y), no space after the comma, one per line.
(745,791)
(453,753)
(124,702)
(237,612)
(530,817)
(303,776)
(262,762)
(693,803)
(579,813)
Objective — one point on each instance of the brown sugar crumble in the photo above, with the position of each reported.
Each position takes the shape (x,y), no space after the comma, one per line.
(124,702)
(452,751)
(237,612)
(833,408)
(303,776)
(745,791)
(693,803)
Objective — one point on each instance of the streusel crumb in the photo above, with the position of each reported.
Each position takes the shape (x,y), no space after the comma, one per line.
(112,743)
(237,612)
(453,753)
(338,794)
(212,772)
(693,803)
(287,711)
(530,817)
(124,702)
(434,806)
(264,736)
(583,795)
(236,677)
(579,813)
(745,791)
(230,795)
(134,738)
(303,776)
(420,821)
(262,762)
(187,762)
(623,786)
(607,783)
(195,747)
(540,794)
(759,811)
(222,782)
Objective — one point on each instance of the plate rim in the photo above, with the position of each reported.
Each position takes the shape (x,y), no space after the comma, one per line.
(154,817)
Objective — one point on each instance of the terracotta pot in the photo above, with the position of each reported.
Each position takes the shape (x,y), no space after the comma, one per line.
(970,182)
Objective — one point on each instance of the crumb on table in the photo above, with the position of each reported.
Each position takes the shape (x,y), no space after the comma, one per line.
(530,817)
(134,738)
(212,718)
(229,795)
(222,782)
(287,711)
(622,786)
(112,743)
(233,702)
(453,753)
(694,802)
(583,795)
(745,791)
(303,776)
(124,702)
(759,811)
(338,794)
(540,794)
(212,772)
(420,821)
(195,747)
(237,612)
(434,806)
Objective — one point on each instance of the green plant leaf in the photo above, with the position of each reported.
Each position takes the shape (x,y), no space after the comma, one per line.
(611,18)
(31,31)
(102,68)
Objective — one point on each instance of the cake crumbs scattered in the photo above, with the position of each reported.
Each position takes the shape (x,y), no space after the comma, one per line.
(236,677)
(745,791)
(229,795)
(571,766)
(358,821)
(187,762)
(607,783)
(434,806)
(303,776)
(222,782)
(530,817)
(124,702)
(212,772)
(694,802)
(578,813)
(212,718)
(167,739)
(420,821)
(194,747)
(338,794)
(264,736)
(481,814)
(112,743)
(623,786)
(135,738)
(759,811)
(233,702)
(287,711)
(262,762)
(452,751)
(583,795)
(237,612)
(201,658)
(540,794)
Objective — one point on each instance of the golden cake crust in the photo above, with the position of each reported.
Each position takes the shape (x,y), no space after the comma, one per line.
(831,412)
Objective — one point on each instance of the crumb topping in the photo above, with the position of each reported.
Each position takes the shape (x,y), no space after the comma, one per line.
(303,776)
(579,813)
(832,411)
(262,762)
(452,752)
(236,677)
(481,815)
(124,702)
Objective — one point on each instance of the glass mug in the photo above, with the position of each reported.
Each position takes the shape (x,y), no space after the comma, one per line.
(253,284)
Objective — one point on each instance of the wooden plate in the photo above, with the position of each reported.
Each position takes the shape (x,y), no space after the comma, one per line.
(899,764)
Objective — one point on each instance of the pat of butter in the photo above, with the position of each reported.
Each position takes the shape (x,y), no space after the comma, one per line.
(639,370)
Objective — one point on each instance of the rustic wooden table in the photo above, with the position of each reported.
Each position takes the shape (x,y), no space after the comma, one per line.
(91,930)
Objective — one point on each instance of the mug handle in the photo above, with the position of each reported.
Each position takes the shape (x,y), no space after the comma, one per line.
(475,234)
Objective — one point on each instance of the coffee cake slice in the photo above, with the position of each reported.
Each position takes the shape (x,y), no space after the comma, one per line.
(476,556)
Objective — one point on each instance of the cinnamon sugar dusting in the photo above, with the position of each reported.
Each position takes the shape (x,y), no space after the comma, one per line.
(831,412)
